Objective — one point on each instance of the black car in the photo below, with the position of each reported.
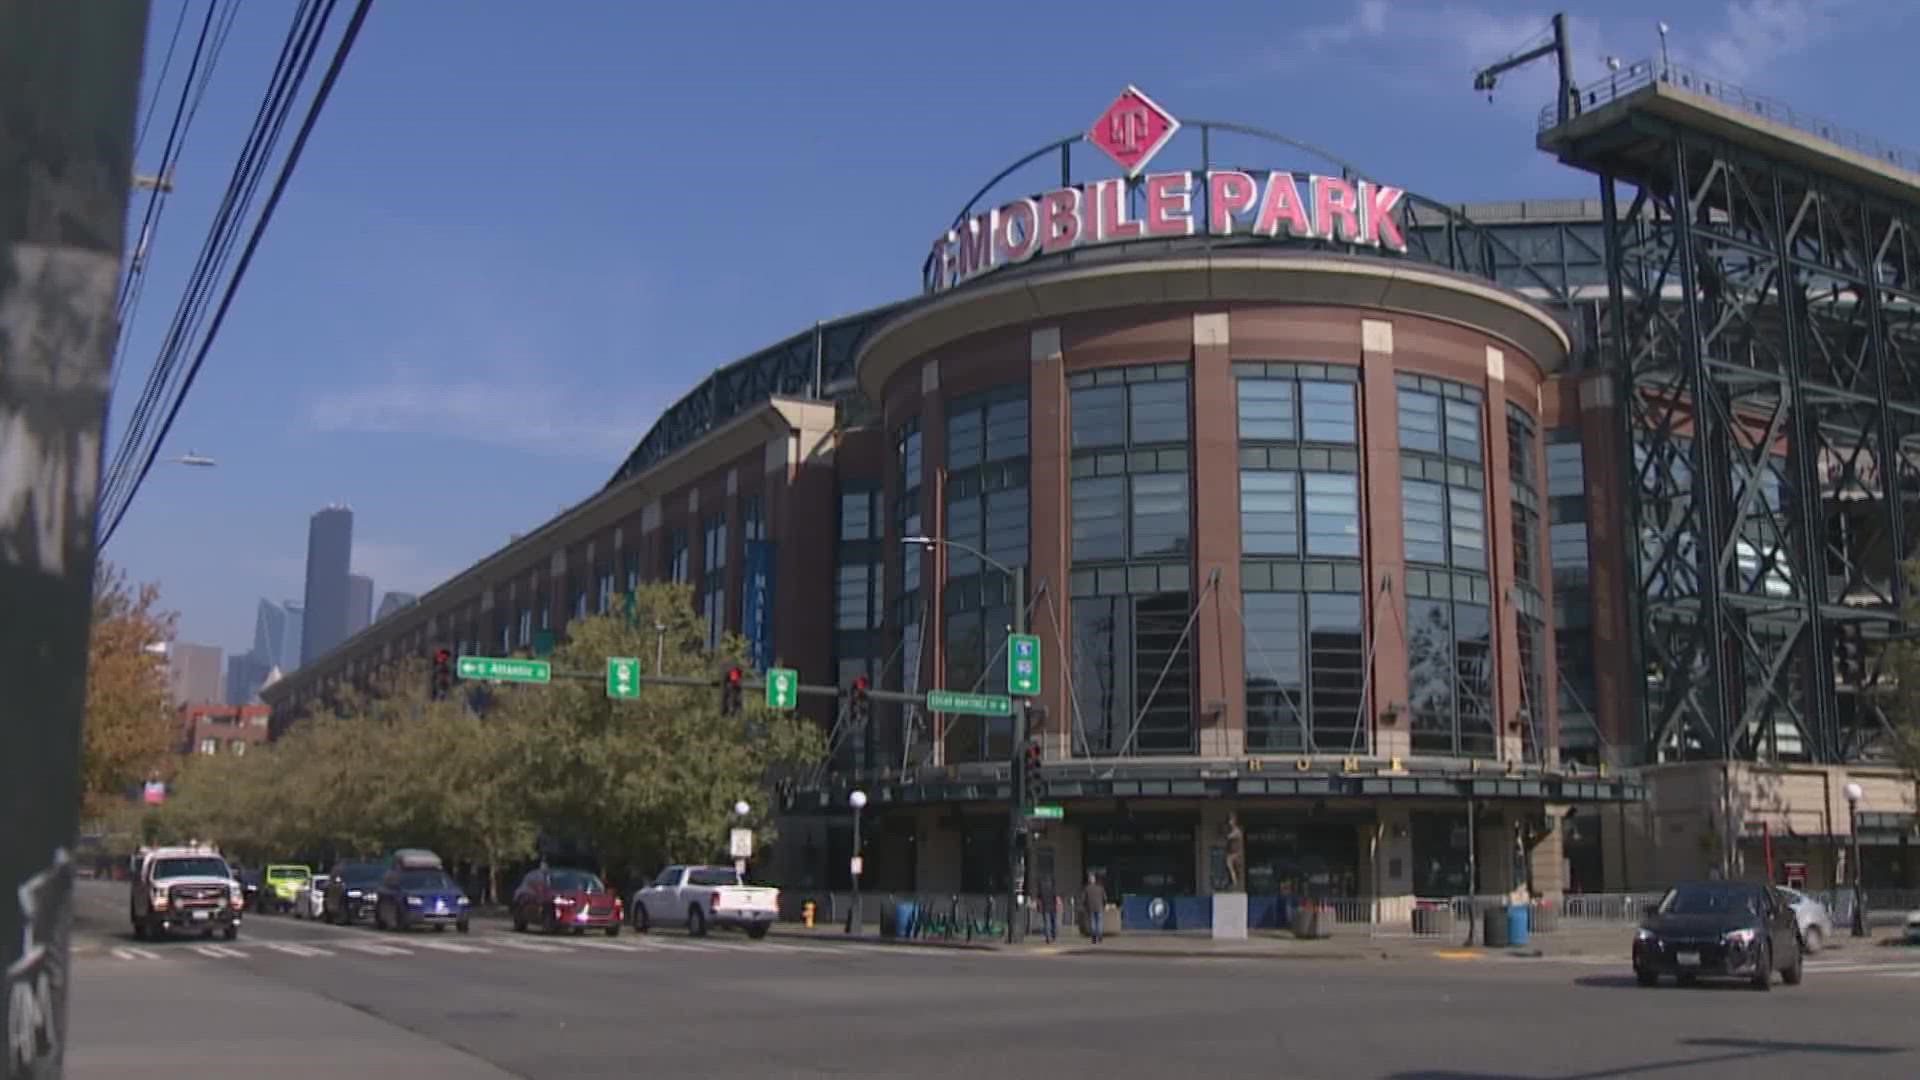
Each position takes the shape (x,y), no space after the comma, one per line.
(250,882)
(351,893)
(1719,929)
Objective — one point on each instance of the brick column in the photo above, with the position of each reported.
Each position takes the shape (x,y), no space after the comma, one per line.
(1386,604)
(1050,534)
(1219,663)
(1499,525)
(1609,540)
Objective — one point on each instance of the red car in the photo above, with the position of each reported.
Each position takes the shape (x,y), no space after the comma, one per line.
(557,900)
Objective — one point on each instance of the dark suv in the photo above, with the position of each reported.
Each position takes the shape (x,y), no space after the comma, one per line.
(351,892)
(1719,929)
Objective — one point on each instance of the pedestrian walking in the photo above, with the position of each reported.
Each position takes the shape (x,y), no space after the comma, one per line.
(1094,898)
(1049,908)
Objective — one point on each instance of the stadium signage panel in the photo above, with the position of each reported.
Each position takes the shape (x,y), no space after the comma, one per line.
(1269,205)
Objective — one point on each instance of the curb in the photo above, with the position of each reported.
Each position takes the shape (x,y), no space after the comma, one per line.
(898,943)
(1212,954)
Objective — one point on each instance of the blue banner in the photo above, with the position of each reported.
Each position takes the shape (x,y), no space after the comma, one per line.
(756,620)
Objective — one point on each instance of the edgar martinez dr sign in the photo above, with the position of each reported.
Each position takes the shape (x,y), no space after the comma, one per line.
(1131,131)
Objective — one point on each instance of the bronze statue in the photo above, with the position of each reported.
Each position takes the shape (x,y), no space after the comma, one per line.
(1236,854)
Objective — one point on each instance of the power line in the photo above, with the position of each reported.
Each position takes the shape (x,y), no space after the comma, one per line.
(140,139)
(338,62)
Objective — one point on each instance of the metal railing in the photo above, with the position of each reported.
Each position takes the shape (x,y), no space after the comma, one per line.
(1645,73)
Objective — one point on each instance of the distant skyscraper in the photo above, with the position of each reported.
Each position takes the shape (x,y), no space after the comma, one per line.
(246,673)
(193,672)
(394,601)
(359,603)
(329,561)
(276,634)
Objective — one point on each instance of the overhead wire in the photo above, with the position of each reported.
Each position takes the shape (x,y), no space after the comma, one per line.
(159,84)
(277,100)
(337,63)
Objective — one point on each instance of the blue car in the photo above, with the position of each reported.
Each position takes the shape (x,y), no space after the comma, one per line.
(419,897)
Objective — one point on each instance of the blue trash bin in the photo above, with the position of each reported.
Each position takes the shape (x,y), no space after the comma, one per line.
(906,919)
(1517,924)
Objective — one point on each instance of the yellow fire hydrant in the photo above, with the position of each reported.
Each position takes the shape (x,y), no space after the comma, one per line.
(806,914)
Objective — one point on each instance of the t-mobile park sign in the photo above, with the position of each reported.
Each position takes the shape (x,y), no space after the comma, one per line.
(1131,131)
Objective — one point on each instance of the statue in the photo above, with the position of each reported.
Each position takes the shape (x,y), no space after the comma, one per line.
(1236,854)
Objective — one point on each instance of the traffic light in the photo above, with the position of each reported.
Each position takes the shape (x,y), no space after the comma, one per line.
(730,692)
(1033,788)
(857,702)
(1849,653)
(441,683)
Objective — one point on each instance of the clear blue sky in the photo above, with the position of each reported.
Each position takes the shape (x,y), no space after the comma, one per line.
(521,230)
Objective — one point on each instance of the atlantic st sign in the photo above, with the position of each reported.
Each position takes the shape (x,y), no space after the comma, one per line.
(1164,206)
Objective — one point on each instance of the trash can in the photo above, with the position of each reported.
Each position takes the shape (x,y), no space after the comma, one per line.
(1494,928)
(906,918)
(889,920)
(1426,919)
(1517,925)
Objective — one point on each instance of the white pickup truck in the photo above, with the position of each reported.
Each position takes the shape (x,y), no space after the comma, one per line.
(700,897)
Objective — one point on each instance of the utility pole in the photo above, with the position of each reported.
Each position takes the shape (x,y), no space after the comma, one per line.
(70,75)
(1016,775)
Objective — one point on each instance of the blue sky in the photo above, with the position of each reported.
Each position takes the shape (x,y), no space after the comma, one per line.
(521,230)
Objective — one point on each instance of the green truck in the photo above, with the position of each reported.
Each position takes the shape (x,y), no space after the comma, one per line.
(281,885)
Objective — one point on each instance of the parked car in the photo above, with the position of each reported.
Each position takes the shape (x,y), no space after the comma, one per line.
(1816,921)
(564,899)
(1720,929)
(352,889)
(280,884)
(409,897)
(310,899)
(249,879)
(699,897)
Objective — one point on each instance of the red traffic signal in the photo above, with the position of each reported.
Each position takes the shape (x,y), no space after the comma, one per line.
(734,675)
(730,691)
(860,684)
(441,656)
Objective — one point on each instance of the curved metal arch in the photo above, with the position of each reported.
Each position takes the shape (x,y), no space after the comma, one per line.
(1347,168)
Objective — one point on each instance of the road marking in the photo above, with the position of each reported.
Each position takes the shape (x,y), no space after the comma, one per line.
(1896,974)
(610,946)
(451,946)
(668,946)
(130,953)
(373,948)
(1843,968)
(296,950)
(1459,954)
(528,946)
(219,952)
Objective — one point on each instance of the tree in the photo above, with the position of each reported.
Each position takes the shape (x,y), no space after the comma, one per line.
(130,721)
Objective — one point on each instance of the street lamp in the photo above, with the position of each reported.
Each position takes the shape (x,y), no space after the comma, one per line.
(1854,793)
(1016,855)
(857,800)
(740,812)
(741,809)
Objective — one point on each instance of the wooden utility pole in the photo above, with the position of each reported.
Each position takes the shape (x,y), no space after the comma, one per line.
(69,86)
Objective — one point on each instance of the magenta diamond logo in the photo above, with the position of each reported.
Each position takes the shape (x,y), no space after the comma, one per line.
(1132,130)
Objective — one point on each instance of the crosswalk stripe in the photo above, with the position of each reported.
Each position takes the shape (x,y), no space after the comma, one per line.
(1898,974)
(1837,968)
(296,950)
(451,946)
(129,953)
(528,946)
(219,952)
(610,946)
(372,948)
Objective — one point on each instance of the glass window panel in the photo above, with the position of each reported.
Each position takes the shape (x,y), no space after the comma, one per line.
(1327,412)
(1520,450)
(964,438)
(1463,429)
(1467,521)
(964,526)
(1099,518)
(1526,544)
(856,515)
(1332,514)
(911,563)
(1423,520)
(1103,671)
(1337,659)
(1566,470)
(1430,676)
(1163,666)
(1269,513)
(1158,412)
(1419,421)
(1099,416)
(1160,514)
(1266,410)
(1007,430)
(1276,684)
(1473,693)
(1006,529)
(853,597)
(1568,545)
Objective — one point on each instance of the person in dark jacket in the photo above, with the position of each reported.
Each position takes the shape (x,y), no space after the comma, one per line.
(1049,901)
(1094,899)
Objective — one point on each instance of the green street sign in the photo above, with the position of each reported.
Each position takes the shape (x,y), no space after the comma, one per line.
(1023,665)
(950,701)
(498,669)
(783,688)
(1047,813)
(623,677)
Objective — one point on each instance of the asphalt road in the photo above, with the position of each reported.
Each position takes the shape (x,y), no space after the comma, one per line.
(303,999)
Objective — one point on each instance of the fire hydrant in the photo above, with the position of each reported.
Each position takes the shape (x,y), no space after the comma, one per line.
(806,914)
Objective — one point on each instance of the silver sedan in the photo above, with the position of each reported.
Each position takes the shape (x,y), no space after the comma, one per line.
(1816,922)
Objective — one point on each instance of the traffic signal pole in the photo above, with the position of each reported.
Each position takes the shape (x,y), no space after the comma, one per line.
(70,78)
(1016,773)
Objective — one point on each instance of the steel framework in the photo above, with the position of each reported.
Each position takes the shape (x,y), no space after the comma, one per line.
(1765,331)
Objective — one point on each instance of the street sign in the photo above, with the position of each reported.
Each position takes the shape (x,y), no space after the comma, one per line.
(740,844)
(783,688)
(1047,813)
(951,701)
(499,669)
(623,677)
(1023,665)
